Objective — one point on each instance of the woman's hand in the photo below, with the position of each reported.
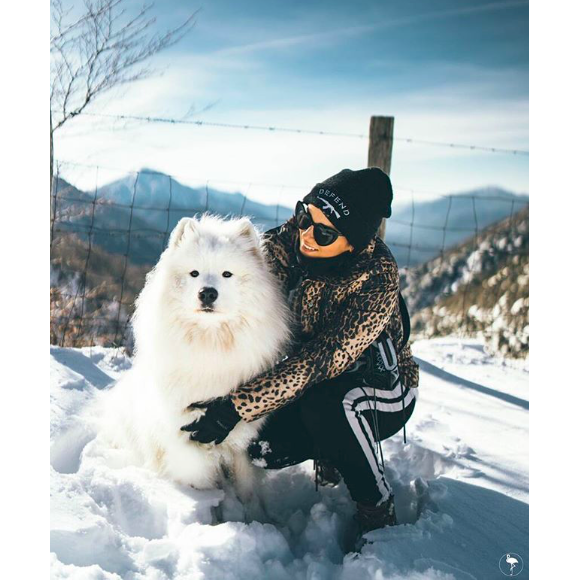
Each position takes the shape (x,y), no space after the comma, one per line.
(219,419)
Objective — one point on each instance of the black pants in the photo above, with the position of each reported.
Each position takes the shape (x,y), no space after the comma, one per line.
(339,420)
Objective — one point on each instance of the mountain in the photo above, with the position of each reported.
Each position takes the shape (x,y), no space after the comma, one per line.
(96,263)
(91,294)
(478,288)
(105,223)
(152,204)
(149,206)
(432,226)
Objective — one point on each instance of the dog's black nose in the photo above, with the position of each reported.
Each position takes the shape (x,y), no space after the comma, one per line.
(208,295)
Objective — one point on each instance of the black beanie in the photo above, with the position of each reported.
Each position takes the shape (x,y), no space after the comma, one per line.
(355,202)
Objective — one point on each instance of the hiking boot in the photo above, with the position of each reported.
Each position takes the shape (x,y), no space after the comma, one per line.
(371,517)
(327,474)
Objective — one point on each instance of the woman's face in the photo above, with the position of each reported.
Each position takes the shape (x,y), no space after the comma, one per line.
(308,245)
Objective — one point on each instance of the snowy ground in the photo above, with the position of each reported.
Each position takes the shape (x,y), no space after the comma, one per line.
(461,485)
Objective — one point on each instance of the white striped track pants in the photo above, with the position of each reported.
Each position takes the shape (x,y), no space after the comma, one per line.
(340,420)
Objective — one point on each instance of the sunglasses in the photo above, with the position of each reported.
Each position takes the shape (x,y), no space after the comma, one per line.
(323,235)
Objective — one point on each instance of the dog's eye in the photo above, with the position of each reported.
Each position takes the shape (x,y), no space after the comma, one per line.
(227,274)
(194,273)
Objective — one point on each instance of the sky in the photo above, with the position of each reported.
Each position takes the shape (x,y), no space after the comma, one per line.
(447,70)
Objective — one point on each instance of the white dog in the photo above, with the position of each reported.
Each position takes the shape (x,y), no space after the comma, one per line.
(210,317)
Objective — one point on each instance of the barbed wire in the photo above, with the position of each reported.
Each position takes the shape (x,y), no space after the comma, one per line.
(271,129)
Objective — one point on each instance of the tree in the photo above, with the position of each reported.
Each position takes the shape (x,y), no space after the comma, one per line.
(99,50)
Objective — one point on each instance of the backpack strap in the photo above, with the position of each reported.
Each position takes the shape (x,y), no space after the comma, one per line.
(406,320)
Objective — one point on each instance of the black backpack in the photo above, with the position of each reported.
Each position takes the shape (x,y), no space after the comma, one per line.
(406,319)
(372,366)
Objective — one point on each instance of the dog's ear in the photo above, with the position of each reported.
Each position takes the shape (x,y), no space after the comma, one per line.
(245,229)
(183,228)
(247,233)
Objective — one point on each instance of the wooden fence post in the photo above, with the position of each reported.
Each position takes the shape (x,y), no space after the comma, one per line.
(381,149)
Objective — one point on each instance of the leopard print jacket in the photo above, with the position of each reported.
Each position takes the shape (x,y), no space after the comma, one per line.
(338,317)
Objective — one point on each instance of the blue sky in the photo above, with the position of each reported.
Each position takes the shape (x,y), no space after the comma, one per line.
(448,70)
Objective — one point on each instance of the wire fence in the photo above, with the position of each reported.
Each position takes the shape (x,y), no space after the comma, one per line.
(105,241)
(272,129)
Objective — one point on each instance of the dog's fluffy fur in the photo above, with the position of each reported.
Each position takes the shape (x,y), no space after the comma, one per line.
(186,355)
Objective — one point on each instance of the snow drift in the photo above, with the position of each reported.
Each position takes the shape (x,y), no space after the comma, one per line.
(461,485)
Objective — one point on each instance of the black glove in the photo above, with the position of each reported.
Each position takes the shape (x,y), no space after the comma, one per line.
(219,419)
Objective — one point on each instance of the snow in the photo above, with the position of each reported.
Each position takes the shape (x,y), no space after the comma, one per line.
(461,485)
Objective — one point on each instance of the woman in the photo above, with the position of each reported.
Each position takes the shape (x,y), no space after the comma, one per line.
(340,391)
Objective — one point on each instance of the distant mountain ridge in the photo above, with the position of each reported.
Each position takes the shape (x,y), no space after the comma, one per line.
(150,207)
(432,226)
(479,287)
(158,202)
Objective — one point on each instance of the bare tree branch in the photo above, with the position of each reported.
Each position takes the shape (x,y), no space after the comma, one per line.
(100,50)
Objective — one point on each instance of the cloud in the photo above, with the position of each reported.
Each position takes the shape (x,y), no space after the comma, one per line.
(242,160)
(438,100)
(345,33)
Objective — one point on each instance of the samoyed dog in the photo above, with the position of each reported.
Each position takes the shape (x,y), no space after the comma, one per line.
(210,317)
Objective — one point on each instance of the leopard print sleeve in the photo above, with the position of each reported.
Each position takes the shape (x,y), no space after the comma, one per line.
(277,245)
(408,367)
(359,322)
